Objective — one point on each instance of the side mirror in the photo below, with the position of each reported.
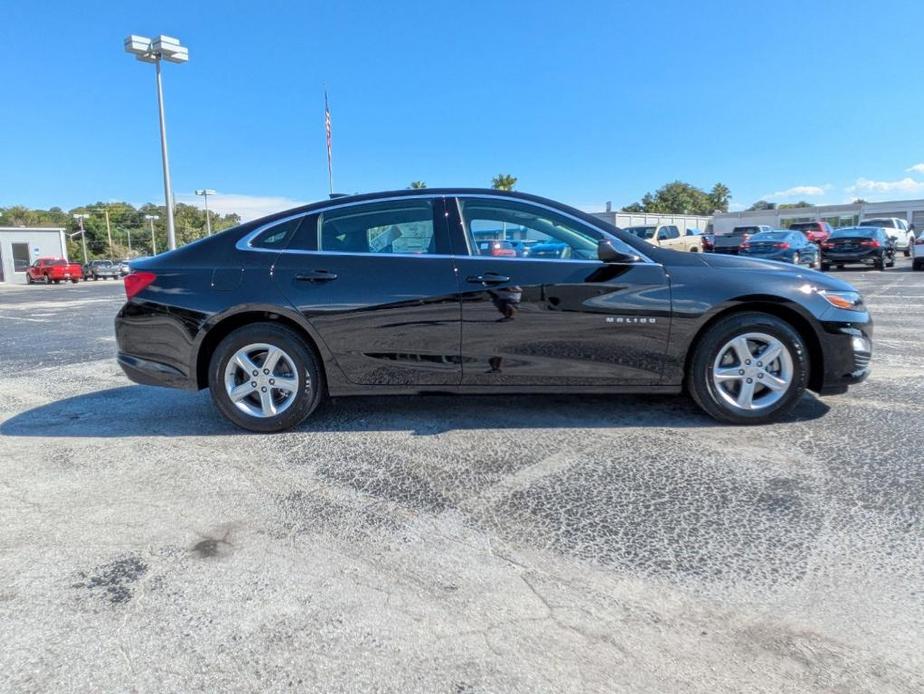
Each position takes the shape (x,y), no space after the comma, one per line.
(608,253)
(893,238)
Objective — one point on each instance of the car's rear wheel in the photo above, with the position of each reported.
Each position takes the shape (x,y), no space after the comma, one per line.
(880,262)
(264,378)
(748,368)
(917,265)
(796,259)
(907,252)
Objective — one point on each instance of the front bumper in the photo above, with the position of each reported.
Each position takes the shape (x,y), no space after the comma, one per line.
(847,349)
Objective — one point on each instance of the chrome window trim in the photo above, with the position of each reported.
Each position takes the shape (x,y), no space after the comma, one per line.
(244,243)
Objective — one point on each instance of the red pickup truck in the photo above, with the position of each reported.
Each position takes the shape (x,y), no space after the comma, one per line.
(49,270)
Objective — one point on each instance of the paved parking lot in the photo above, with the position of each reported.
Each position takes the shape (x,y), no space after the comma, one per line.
(453,545)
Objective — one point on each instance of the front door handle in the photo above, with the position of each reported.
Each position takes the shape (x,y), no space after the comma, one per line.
(488,278)
(315,276)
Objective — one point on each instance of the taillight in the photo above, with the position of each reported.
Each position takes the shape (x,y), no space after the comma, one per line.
(136,281)
(744,245)
(827,244)
(870,243)
(919,242)
(782,244)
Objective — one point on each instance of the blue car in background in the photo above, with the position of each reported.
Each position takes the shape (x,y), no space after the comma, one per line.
(782,245)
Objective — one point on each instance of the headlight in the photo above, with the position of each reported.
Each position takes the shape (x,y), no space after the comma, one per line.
(850,301)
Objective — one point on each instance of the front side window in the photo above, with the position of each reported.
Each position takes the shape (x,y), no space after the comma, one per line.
(501,227)
(20,257)
(401,227)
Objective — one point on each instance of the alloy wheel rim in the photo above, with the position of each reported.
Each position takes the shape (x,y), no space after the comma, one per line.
(752,371)
(261,380)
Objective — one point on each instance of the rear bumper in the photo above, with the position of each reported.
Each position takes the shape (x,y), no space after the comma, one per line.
(152,373)
(866,257)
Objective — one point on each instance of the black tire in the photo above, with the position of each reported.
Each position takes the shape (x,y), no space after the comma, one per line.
(907,252)
(47,279)
(95,278)
(880,263)
(826,267)
(699,379)
(29,279)
(891,262)
(816,263)
(796,258)
(306,399)
(57,281)
(840,266)
(917,265)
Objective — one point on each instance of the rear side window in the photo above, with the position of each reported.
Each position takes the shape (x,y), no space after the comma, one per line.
(278,236)
(402,227)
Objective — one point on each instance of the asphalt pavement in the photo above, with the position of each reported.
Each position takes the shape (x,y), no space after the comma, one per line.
(440,544)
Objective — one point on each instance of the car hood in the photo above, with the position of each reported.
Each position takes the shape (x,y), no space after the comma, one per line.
(783,270)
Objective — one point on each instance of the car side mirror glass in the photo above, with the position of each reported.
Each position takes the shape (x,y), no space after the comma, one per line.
(608,253)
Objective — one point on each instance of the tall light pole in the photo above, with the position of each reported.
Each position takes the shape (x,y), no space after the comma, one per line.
(108,230)
(205,192)
(83,235)
(151,218)
(153,51)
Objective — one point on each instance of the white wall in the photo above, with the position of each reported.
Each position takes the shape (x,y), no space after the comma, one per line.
(681,221)
(42,242)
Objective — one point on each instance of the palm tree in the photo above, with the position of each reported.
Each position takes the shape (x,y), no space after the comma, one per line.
(417,185)
(503,182)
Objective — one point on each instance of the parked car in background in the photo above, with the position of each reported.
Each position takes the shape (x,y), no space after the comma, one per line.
(859,245)
(784,246)
(816,232)
(666,236)
(730,243)
(500,249)
(904,237)
(124,267)
(617,315)
(101,269)
(917,251)
(55,270)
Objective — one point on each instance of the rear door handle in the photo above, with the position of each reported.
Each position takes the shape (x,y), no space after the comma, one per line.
(488,278)
(315,276)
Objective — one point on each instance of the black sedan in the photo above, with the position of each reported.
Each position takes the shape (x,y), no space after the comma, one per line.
(864,245)
(389,293)
(783,246)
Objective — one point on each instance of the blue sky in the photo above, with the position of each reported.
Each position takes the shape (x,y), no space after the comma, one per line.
(583,101)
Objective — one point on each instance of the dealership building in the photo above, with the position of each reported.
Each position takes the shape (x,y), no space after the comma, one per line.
(912,211)
(21,246)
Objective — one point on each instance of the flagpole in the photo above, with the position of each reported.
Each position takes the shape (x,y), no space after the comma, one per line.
(327,129)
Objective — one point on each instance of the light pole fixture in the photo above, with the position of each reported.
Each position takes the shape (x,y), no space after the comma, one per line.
(153,51)
(151,218)
(83,234)
(205,192)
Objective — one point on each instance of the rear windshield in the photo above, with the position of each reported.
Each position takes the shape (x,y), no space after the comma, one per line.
(888,223)
(770,236)
(853,233)
(741,231)
(805,226)
(641,232)
(57,261)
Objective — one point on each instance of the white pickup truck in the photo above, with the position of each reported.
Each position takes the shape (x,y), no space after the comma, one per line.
(894,227)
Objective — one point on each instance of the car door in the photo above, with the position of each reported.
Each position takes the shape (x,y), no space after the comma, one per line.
(569,320)
(377,282)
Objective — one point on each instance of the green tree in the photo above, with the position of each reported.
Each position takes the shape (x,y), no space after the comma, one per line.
(791,205)
(719,197)
(417,185)
(859,201)
(503,182)
(678,197)
(762,205)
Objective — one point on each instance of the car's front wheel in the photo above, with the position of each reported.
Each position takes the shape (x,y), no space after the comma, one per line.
(264,378)
(748,368)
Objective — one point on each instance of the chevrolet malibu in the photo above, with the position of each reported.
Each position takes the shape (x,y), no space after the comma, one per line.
(392,293)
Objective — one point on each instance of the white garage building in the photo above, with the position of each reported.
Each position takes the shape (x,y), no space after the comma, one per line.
(20,246)
(912,211)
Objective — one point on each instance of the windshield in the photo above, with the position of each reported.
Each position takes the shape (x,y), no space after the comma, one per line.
(853,233)
(641,232)
(887,223)
(769,236)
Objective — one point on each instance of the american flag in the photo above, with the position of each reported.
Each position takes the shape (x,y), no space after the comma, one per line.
(330,170)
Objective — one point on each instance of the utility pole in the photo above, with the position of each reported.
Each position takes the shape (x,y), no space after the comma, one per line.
(108,231)
(205,192)
(151,218)
(83,235)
